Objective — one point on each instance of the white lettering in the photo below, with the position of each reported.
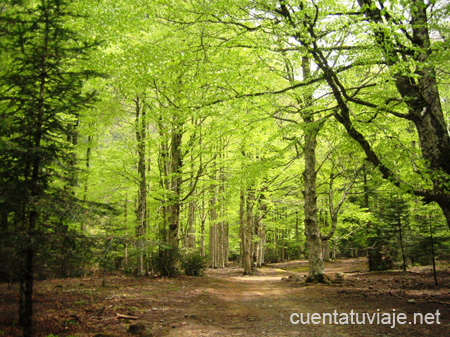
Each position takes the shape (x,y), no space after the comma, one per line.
(429,318)
(385,318)
(315,318)
(437,316)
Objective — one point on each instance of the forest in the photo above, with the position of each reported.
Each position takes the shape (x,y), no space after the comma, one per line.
(162,142)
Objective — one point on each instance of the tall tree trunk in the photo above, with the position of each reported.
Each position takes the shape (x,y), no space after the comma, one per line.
(202,230)
(72,139)
(400,232)
(204,213)
(174,196)
(333,252)
(190,232)
(226,248)
(326,250)
(27,277)
(86,180)
(312,231)
(260,229)
(163,163)
(366,204)
(220,245)
(248,232)
(190,244)
(260,245)
(125,220)
(257,244)
(141,210)
(213,230)
(218,229)
(241,226)
(297,235)
(223,226)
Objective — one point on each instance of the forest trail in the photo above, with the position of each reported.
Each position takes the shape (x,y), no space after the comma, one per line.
(258,305)
(224,303)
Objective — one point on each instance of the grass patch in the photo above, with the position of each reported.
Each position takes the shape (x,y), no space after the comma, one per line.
(81,302)
(301,269)
(274,269)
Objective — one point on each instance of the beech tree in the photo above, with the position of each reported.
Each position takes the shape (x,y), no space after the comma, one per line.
(406,61)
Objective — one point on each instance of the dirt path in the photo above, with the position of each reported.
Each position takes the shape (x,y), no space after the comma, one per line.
(223,303)
(248,306)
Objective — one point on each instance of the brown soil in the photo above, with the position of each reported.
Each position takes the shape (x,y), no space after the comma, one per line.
(224,303)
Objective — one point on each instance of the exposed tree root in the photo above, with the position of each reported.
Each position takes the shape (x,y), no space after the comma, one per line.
(320,278)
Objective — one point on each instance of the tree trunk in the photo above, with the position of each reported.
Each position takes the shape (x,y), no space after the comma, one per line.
(400,232)
(326,250)
(223,226)
(202,230)
(333,252)
(260,228)
(204,213)
(141,210)
(226,248)
(191,233)
(241,226)
(174,196)
(247,231)
(163,163)
(86,179)
(297,236)
(261,243)
(220,245)
(125,220)
(72,139)
(191,228)
(312,231)
(213,231)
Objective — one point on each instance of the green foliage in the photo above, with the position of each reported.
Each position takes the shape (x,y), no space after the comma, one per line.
(64,254)
(41,98)
(10,257)
(430,234)
(381,254)
(193,264)
(162,260)
(223,86)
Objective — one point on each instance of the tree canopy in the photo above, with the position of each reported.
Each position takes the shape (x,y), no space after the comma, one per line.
(251,130)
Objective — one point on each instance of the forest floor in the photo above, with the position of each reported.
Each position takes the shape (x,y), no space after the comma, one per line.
(224,303)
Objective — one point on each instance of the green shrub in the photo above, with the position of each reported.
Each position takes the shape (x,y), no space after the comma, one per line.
(162,261)
(193,264)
